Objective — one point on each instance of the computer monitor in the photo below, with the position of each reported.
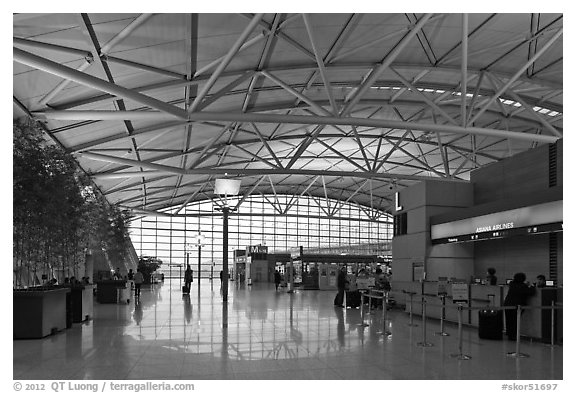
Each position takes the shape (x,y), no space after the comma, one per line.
(549,283)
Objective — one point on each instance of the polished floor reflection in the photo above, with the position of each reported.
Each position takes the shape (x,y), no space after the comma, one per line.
(264,334)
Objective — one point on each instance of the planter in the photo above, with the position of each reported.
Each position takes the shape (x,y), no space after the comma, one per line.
(39,313)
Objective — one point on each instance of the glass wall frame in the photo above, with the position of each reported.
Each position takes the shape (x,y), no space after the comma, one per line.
(350,229)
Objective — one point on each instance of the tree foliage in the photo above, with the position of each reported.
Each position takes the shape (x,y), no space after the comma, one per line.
(57,216)
(147,266)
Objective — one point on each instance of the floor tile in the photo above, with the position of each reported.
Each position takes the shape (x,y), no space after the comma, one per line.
(267,335)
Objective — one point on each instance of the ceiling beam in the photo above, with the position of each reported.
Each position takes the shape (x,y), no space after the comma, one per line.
(379,68)
(320,62)
(225,61)
(103,51)
(255,172)
(58,48)
(57,69)
(517,75)
(296,119)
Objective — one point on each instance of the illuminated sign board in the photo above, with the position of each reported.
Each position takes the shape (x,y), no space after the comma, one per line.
(545,217)
(257,250)
(398,207)
(296,252)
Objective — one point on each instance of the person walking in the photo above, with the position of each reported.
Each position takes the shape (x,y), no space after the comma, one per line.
(138,280)
(277,278)
(518,294)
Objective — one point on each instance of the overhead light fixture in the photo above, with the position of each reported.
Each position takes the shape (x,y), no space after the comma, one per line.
(227,187)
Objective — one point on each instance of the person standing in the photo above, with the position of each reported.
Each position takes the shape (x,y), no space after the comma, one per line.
(138,280)
(221,276)
(188,278)
(381,283)
(518,294)
(341,281)
(277,278)
(491,278)
(540,281)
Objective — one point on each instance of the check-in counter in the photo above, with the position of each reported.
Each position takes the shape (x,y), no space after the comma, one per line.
(536,322)
(479,296)
(38,313)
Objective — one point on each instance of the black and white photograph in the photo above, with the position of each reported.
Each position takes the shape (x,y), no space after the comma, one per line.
(370,198)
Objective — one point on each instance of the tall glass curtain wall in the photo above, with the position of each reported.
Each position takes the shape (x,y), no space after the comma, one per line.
(351,229)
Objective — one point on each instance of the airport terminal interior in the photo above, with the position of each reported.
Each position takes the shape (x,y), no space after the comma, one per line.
(288,196)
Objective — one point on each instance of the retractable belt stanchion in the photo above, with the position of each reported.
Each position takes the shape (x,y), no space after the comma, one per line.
(424,343)
(369,303)
(384,332)
(460,355)
(517,353)
(442,317)
(411,320)
(362,323)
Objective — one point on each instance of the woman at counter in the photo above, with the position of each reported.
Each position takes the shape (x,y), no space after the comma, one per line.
(518,294)
(491,278)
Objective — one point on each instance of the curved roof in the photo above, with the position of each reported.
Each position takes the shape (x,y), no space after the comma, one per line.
(349,106)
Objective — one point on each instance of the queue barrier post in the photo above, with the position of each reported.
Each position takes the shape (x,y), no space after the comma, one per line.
(369,304)
(460,355)
(442,317)
(362,323)
(384,332)
(411,323)
(517,353)
(424,343)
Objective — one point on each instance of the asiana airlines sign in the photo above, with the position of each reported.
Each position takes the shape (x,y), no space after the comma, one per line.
(530,217)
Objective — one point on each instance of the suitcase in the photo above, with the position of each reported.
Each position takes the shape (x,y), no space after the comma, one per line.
(353,299)
(490,324)
(185,290)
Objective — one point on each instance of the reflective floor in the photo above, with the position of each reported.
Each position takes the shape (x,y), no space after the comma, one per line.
(264,334)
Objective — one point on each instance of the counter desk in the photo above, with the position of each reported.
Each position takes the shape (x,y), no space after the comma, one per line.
(536,323)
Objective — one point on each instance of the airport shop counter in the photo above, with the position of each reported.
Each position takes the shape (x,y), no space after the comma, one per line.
(536,322)
(38,313)
(107,290)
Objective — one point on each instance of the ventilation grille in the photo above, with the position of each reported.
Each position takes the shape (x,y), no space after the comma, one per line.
(554,256)
(552,165)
